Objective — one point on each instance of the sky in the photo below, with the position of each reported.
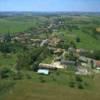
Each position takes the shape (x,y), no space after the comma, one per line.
(50,5)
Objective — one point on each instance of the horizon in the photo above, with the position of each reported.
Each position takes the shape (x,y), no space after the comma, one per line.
(50,6)
(50,11)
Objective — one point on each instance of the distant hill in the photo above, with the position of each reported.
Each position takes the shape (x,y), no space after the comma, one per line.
(6,14)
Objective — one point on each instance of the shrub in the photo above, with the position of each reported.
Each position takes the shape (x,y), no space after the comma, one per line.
(80,86)
(53,78)
(42,80)
(57,73)
(78,39)
(78,78)
(28,76)
(6,73)
(18,76)
(6,85)
(72,84)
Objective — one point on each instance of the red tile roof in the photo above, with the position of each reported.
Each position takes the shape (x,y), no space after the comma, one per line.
(98,63)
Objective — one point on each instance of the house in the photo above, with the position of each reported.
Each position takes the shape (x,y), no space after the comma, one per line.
(58,51)
(47,66)
(84,64)
(58,58)
(82,71)
(53,66)
(58,65)
(68,62)
(71,49)
(81,51)
(16,38)
(51,49)
(35,40)
(97,63)
(43,71)
(1,39)
(83,59)
(54,41)
(44,42)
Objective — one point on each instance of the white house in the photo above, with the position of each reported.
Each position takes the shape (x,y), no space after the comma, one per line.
(43,71)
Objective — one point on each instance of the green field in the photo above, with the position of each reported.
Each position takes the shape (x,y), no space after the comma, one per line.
(50,89)
(86,40)
(85,23)
(60,84)
(9,60)
(16,24)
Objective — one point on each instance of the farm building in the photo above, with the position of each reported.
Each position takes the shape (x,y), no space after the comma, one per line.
(81,51)
(44,42)
(83,59)
(58,51)
(35,40)
(58,65)
(67,62)
(54,41)
(82,71)
(53,66)
(43,71)
(47,66)
(97,63)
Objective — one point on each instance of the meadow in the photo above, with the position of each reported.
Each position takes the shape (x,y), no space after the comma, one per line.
(16,24)
(53,87)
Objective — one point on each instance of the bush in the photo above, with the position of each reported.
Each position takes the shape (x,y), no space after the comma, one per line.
(18,76)
(42,80)
(94,55)
(72,84)
(6,47)
(80,86)
(86,84)
(54,79)
(6,73)
(79,78)
(78,39)
(57,73)
(28,76)
(6,85)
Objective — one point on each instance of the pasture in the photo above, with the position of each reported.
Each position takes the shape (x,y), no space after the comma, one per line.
(51,89)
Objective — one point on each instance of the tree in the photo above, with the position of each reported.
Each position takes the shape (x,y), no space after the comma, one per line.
(78,78)
(6,47)
(78,39)
(92,64)
(72,44)
(7,38)
(5,72)
(23,61)
(80,86)
(94,55)
(63,45)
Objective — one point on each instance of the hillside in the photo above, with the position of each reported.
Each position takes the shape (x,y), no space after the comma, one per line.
(33,89)
(72,27)
(50,57)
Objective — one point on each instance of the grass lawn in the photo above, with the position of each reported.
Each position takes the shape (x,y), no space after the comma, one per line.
(55,87)
(86,40)
(15,24)
(7,61)
(48,60)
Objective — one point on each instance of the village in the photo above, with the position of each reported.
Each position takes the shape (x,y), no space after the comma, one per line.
(70,58)
(49,49)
